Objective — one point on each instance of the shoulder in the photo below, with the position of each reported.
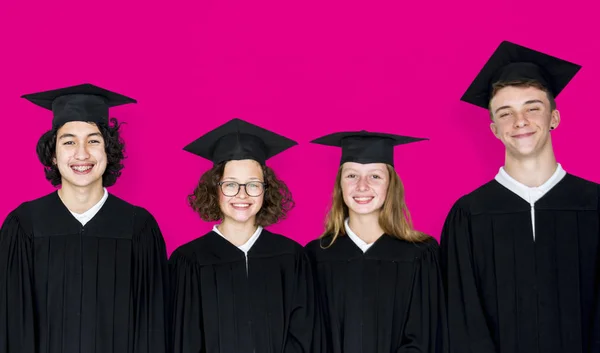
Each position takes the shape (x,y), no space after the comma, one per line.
(318,245)
(479,195)
(192,249)
(22,217)
(407,250)
(142,218)
(282,242)
(588,187)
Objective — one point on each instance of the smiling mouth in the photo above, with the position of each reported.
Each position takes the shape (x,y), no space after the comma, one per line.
(363,200)
(523,135)
(82,169)
(240,206)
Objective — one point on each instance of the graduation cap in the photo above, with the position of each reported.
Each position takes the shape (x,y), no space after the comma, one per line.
(512,62)
(84,102)
(237,140)
(366,147)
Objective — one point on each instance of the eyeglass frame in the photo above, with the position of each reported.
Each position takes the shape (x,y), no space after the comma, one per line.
(264,185)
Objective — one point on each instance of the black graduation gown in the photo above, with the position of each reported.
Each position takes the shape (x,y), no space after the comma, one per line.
(388,299)
(68,288)
(509,293)
(220,305)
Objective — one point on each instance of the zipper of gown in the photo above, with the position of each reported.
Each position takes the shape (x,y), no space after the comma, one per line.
(533,218)
(537,319)
(80,279)
(248,284)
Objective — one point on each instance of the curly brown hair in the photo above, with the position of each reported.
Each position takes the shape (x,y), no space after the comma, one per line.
(277,197)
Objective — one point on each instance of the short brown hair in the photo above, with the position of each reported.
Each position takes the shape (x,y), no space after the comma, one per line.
(394,217)
(521,83)
(277,197)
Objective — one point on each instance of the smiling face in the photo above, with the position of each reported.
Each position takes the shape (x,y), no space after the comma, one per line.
(241,208)
(522,119)
(364,187)
(80,155)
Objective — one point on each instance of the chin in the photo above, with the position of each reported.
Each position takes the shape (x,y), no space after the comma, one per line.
(242,218)
(82,183)
(364,211)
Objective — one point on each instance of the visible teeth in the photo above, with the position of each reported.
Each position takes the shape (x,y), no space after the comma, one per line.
(363,198)
(241,205)
(81,168)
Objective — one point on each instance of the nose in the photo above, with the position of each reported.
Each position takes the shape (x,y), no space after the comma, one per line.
(81,153)
(520,120)
(362,184)
(242,194)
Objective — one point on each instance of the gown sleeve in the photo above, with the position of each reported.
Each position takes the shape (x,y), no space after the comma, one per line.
(426,327)
(150,288)
(17,330)
(594,333)
(302,318)
(468,329)
(186,307)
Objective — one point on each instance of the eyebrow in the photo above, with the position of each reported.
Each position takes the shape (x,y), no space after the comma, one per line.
(71,135)
(236,179)
(528,102)
(533,101)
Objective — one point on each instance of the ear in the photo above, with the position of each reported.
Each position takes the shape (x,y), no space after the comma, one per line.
(494,129)
(54,160)
(554,119)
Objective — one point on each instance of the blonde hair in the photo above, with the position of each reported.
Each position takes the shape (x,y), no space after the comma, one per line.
(394,217)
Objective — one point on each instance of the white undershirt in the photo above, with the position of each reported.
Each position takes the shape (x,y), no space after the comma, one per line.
(530,194)
(247,245)
(87,216)
(355,238)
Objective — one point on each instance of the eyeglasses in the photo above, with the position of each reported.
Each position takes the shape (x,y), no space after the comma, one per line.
(232,188)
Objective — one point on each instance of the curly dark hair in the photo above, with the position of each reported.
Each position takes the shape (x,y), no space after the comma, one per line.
(114,147)
(277,197)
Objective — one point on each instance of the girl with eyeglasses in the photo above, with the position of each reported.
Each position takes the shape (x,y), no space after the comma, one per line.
(241,288)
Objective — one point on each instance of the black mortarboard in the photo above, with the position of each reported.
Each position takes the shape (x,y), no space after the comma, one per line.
(238,139)
(84,102)
(366,147)
(512,62)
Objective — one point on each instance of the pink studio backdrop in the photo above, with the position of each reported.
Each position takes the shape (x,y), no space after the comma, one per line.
(303,69)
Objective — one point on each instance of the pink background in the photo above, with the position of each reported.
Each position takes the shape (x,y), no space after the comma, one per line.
(301,68)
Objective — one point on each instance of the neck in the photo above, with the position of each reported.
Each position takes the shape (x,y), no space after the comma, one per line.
(236,232)
(366,227)
(531,171)
(80,199)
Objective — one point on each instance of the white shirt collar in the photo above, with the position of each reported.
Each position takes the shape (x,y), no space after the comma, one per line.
(86,216)
(355,238)
(248,244)
(530,194)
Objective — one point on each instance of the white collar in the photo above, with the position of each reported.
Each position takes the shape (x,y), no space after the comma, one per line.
(530,194)
(248,244)
(355,238)
(86,216)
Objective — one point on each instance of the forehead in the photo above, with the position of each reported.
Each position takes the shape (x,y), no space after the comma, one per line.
(359,167)
(242,168)
(78,128)
(516,96)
